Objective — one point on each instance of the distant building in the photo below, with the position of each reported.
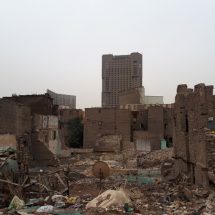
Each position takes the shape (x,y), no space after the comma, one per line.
(62,100)
(119,73)
(153,100)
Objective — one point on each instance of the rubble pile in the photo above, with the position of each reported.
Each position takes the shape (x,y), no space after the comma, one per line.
(154,158)
(9,170)
(162,198)
(68,189)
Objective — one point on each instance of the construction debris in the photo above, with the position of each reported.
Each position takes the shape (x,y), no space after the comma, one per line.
(66,190)
(154,158)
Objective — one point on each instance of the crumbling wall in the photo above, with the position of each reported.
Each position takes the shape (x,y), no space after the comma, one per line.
(41,155)
(14,118)
(66,115)
(47,129)
(110,143)
(168,125)
(30,132)
(45,139)
(193,109)
(140,120)
(211,157)
(157,122)
(38,104)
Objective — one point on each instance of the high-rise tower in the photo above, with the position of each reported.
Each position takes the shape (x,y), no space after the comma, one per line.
(119,73)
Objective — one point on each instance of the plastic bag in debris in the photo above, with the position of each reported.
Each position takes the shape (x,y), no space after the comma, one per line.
(16,203)
(38,201)
(59,201)
(60,204)
(45,209)
(110,198)
(59,198)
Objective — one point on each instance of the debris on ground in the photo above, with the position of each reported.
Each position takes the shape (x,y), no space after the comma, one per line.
(110,198)
(71,188)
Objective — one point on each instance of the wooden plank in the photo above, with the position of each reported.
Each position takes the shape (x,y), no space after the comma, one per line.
(60,179)
(9,182)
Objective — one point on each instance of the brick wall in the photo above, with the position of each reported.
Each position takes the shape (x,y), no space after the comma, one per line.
(106,121)
(14,118)
(140,120)
(193,108)
(155,126)
(168,125)
(66,115)
(110,143)
(39,104)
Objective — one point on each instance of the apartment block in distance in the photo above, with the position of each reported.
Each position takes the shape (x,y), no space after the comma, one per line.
(62,100)
(120,73)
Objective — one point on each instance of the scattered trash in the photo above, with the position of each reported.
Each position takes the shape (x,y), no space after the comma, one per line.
(144,191)
(59,201)
(16,203)
(58,198)
(71,200)
(45,209)
(37,201)
(110,198)
(128,208)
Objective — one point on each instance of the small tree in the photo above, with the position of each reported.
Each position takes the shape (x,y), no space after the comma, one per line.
(76,128)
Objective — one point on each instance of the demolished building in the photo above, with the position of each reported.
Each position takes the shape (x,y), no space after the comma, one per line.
(46,144)
(194,139)
(39,104)
(30,118)
(146,127)
(15,130)
(152,126)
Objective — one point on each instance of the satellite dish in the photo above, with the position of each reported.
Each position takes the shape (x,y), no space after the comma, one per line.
(101,170)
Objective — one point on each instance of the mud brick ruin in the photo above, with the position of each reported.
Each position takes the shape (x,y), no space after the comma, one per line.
(193,133)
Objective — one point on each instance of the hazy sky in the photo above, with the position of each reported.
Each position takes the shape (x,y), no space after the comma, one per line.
(58,44)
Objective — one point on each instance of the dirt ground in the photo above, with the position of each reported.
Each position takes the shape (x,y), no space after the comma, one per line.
(148,193)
